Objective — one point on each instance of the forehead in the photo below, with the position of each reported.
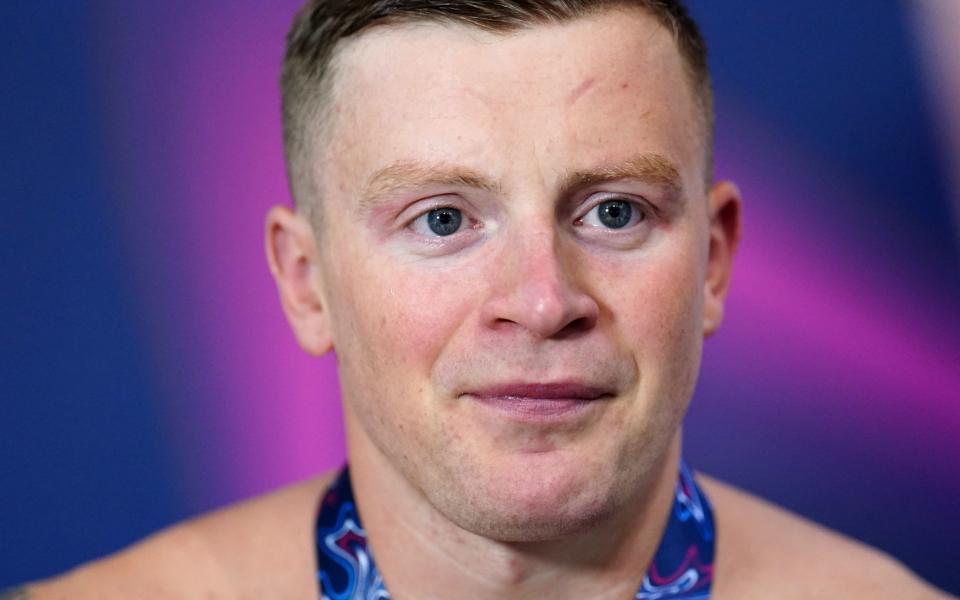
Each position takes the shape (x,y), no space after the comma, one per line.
(597,89)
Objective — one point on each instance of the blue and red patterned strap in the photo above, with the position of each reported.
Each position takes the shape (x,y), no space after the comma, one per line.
(682,568)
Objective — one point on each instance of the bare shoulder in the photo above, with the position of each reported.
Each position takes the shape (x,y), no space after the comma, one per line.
(764,551)
(259,548)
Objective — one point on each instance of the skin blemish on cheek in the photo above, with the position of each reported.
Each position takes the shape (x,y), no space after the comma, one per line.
(624,85)
(580,90)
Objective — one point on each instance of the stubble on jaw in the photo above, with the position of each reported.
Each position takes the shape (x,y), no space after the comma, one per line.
(461,480)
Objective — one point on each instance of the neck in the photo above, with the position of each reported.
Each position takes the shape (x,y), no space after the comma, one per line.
(422,554)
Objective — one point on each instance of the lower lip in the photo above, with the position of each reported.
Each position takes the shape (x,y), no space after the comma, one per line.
(534,409)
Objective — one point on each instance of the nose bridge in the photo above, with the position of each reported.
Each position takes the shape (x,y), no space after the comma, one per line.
(539,265)
(536,287)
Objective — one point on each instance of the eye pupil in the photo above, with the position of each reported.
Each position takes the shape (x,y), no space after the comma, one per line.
(444,221)
(615,214)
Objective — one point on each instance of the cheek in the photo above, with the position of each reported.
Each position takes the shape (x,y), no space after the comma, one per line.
(670,363)
(397,317)
(674,301)
(392,322)
(656,294)
(659,312)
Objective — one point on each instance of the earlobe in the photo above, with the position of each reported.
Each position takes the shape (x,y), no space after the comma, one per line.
(724,215)
(295,264)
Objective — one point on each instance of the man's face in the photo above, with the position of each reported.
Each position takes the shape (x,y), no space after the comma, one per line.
(513,257)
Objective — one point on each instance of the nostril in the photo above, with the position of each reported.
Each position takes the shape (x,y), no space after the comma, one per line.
(575,327)
(571,329)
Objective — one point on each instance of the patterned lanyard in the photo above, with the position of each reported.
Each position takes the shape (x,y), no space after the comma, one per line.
(681,569)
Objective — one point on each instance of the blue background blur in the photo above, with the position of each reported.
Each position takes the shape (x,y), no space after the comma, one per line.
(148,374)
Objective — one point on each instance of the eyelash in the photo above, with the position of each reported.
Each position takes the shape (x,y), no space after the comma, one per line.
(643,212)
(467,222)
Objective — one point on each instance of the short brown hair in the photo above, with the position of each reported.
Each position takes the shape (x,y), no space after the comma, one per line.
(320,25)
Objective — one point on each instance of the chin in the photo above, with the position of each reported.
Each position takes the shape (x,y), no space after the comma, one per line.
(532,503)
(543,526)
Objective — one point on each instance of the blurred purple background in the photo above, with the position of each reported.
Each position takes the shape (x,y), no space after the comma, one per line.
(148,373)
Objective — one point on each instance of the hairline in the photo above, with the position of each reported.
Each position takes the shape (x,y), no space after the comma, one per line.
(315,118)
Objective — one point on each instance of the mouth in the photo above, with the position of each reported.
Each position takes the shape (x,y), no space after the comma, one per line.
(540,401)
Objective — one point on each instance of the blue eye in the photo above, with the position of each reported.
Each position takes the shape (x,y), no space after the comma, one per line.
(444,221)
(613,214)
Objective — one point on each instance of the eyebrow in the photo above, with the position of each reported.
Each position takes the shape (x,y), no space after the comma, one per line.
(648,167)
(406,174)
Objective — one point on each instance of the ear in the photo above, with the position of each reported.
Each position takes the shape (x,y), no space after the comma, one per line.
(724,214)
(295,264)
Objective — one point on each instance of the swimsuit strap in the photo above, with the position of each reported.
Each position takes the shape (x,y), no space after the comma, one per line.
(681,569)
(683,564)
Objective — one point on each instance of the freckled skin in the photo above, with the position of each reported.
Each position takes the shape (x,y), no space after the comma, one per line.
(497,310)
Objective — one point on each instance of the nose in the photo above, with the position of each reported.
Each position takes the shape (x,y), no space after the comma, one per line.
(537,288)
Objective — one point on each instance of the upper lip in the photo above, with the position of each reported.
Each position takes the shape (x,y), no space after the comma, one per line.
(561,390)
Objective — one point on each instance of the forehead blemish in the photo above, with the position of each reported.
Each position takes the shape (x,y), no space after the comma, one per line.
(580,90)
(484,99)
